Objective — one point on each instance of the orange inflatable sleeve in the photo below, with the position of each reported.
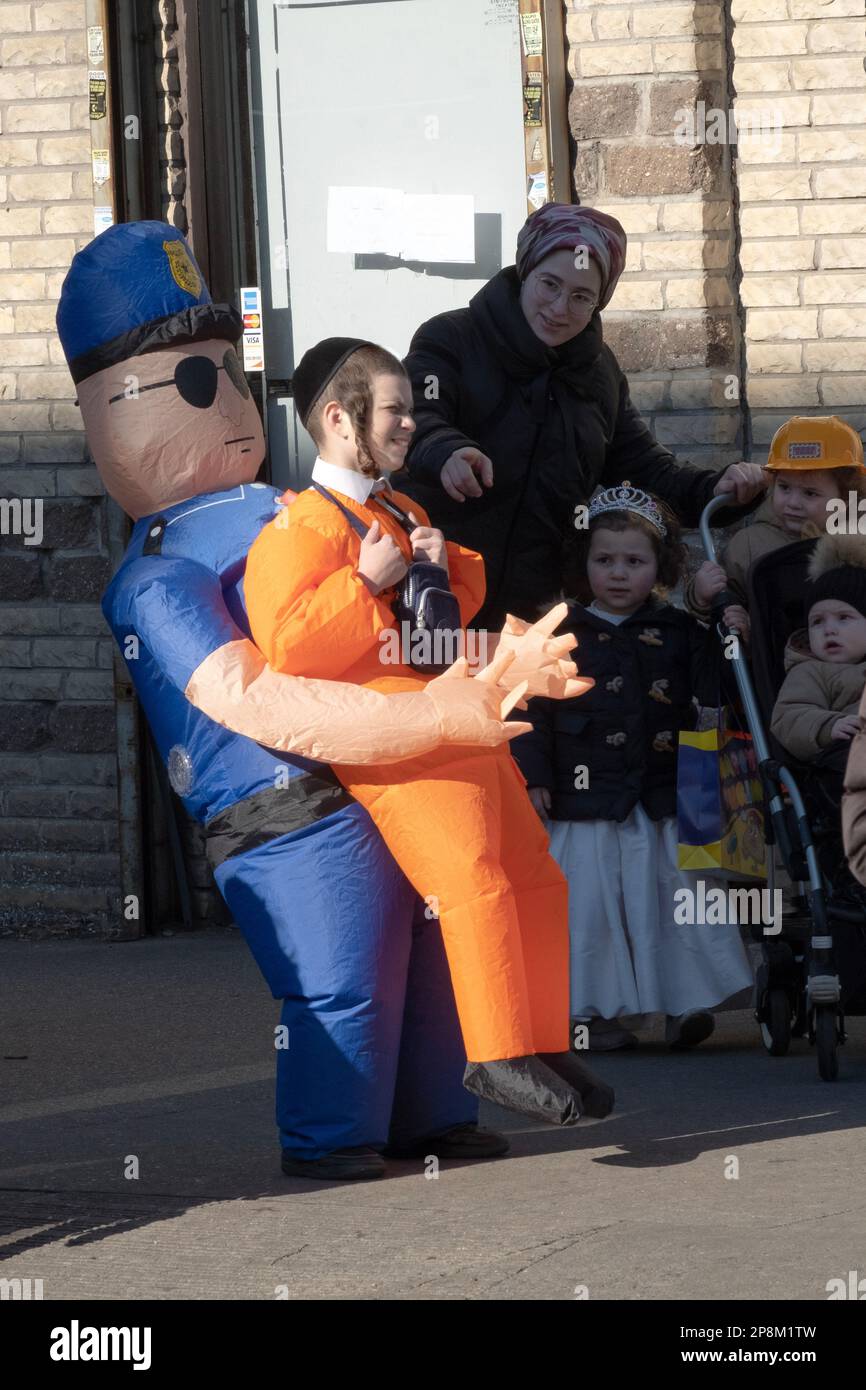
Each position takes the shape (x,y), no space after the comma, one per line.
(465,567)
(310,613)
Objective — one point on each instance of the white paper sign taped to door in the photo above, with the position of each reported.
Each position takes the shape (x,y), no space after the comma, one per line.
(411,226)
(365,221)
(439,227)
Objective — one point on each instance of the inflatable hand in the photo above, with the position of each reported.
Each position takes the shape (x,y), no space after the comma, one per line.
(476,719)
(337,723)
(541,660)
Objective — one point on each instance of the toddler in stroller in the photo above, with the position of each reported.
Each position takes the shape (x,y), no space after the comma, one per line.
(816,711)
(807,603)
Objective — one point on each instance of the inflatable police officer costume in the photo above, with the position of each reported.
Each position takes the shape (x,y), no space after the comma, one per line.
(374,1055)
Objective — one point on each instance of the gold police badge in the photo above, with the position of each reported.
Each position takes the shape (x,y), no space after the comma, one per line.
(182,268)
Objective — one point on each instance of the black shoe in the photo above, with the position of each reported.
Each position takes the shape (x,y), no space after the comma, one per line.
(360,1164)
(686,1030)
(596,1098)
(461,1141)
(603,1035)
(526,1085)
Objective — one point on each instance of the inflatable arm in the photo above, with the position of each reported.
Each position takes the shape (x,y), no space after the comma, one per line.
(177,610)
(237,688)
(540,659)
(337,723)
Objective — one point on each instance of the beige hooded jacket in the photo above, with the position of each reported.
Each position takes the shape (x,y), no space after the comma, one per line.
(813,696)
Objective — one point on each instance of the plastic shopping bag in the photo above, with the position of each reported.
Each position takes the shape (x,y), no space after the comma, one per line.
(720,813)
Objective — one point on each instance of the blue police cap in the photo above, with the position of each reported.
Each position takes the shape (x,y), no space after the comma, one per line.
(136,288)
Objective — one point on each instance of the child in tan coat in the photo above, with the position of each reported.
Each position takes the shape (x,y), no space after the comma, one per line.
(813,462)
(816,712)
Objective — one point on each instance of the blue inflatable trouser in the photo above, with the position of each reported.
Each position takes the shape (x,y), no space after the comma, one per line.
(374,1045)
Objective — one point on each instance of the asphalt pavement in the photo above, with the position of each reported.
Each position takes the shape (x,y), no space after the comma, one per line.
(139,1158)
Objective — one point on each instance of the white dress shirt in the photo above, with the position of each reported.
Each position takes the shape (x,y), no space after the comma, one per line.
(355,485)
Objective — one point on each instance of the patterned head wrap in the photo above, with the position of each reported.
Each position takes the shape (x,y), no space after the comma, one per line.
(561,226)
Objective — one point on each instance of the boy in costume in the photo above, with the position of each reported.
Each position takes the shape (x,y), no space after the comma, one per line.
(320,602)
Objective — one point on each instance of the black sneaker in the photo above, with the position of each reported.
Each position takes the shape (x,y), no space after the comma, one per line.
(461,1141)
(359,1164)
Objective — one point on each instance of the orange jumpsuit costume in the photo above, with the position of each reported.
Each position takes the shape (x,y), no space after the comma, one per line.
(458,821)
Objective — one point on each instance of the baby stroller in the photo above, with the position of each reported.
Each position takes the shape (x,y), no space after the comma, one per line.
(813,971)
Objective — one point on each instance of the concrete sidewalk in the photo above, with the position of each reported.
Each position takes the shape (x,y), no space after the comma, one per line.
(163,1050)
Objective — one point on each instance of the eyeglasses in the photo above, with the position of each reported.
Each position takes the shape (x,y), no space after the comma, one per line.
(579,301)
(195,380)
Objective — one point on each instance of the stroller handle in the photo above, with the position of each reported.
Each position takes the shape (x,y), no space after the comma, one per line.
(742,674)
(714,505)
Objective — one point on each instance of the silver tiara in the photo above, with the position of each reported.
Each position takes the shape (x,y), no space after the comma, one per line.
(626,498)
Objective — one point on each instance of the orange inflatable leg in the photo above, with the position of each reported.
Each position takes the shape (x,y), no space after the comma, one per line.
(466,836)
(541,895)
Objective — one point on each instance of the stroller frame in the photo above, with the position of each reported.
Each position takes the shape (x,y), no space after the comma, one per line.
(795,993)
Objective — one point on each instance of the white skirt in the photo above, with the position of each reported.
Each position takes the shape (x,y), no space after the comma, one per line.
(628,955)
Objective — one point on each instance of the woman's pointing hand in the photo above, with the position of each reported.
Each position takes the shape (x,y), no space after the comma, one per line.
(460,474)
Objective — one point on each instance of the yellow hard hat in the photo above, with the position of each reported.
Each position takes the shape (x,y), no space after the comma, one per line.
(816,441)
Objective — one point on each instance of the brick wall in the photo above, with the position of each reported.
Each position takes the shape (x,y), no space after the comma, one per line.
(803,208)
(747,262)
(58,806)
(673,321)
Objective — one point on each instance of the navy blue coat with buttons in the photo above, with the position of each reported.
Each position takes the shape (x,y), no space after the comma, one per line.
(624,730)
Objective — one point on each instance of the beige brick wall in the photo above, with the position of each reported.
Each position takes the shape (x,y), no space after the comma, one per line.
(58,804)
(673,320)
(803,207)
(791,189)
(46,214)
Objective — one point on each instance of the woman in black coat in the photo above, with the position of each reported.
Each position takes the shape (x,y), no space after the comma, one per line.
(522,411)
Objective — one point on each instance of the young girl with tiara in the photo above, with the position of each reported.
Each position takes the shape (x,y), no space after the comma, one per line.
(604,770)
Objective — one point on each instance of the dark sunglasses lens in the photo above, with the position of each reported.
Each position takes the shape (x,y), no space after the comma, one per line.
(196,380)
(235,373)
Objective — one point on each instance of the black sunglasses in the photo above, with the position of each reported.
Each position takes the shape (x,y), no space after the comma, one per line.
(195,379)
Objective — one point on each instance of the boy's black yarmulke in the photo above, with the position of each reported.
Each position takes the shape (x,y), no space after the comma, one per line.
(316,368)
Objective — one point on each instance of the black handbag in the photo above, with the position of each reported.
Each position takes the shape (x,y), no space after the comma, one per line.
(425,604)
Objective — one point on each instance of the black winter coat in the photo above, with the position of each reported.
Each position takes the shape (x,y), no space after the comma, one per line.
(623,731)
(556,424)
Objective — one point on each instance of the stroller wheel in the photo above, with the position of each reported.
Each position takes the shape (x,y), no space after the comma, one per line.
(825,1041)
(776,1031)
